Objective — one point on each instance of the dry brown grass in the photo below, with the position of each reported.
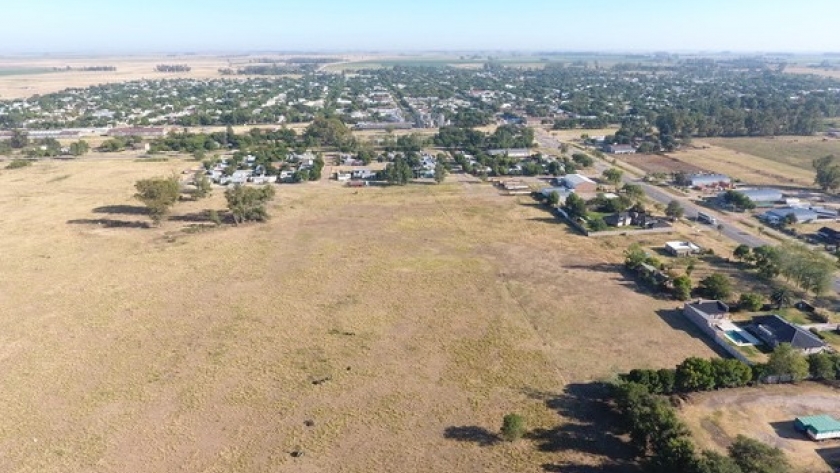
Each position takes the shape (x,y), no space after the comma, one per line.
(130,349)
(810,70)
(748,168)
(796,151)
(765,414)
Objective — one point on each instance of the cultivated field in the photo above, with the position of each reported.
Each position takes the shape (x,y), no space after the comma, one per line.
(766,414)
(749,168)
(427,311)
(797,151)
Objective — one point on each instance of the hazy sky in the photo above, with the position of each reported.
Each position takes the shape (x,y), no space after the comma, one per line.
(34,26)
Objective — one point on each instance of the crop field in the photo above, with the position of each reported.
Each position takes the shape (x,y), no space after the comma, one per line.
(749,168)
(375,329)
(766,414)
(797,151)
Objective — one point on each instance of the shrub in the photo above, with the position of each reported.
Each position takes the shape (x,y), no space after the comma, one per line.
(513,427)
(18,163)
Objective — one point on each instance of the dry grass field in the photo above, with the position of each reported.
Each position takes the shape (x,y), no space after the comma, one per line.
(833,73)
(749,168)
(766,414)
(654,163)
(796,151)
(428,311)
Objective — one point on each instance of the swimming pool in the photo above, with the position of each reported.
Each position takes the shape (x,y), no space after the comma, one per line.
(735,336)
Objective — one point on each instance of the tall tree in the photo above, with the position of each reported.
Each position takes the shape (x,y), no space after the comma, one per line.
(158,195)
(248,203)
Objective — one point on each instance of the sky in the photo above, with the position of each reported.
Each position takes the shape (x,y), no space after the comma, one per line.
(148,26)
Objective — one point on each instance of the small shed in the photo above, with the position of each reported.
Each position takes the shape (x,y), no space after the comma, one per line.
(821,427)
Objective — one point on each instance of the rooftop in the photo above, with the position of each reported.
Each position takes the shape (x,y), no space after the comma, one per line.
(785,332)
(709,307)
(820,423)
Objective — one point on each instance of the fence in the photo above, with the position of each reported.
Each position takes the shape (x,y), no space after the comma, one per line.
(577,226)
(709,329)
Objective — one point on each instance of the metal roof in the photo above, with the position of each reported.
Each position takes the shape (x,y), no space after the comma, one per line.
(762,195)
(820,424)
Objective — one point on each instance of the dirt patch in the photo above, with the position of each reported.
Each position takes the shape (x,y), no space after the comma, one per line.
(765,413)
(654,163)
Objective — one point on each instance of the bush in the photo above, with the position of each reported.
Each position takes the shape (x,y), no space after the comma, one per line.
(513,427)
(19,163)
(750,302)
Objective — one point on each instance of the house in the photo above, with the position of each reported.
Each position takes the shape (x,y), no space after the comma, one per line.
(681,248)
(706,312)
(343,177)
(762,197)
(562,192)
(780,215)
(579,183)
(830,235)
(620,219)
(620,149)
(510,152)
(240,176)
(774,330)
(820,427)
(705,181)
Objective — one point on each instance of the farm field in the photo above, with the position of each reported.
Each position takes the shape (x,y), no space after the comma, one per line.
(425,313)
(766,413)
(750,169)
(797,151)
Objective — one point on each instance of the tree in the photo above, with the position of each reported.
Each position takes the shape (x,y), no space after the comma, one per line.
(782,297)
(828,173)
(716,286)
(753,456)
(158,195)
(633,191)
(634,256)
(713,462)
(613,176)
(785,360)
(79,148)
(742,252)
(822,366)
(575,206)
(19,139)
(555,168)
(553,199)
(248,203)
(440,172)
(750,301)
(203,186)
(730,373)
(674,210)
(583,160)
(513,427)
(682,287)
(694,374)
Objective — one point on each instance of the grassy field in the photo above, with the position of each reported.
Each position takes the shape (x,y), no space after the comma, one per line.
(749,168)
(431,311)
(796,151)
(766,414)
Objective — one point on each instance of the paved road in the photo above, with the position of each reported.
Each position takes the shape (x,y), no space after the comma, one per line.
(661,196)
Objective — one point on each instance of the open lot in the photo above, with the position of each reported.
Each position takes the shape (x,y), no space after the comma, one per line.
(749,168)
(796,151)
(654,163)
(428,311)
(766,414)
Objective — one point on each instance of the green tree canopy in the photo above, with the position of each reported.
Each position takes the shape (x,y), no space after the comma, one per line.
(716,286)
(158,195)
(248,203)
(753,456)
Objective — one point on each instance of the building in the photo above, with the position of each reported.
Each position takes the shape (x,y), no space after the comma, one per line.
(681,248)
(820,427)
(579,183)
(705,181)
(620,149)
(706,312)
(762,197)
(510,152)
(780,215)
(143,132)
(830,235)
(562,192)
(774,330)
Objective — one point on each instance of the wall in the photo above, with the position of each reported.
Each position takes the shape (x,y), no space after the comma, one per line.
(714,334)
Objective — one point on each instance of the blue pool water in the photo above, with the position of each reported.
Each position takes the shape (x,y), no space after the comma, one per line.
(736,337)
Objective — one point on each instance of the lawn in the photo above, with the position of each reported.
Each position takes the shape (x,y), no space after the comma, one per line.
(424,313)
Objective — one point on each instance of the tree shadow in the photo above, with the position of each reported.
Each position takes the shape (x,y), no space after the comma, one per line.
(109,223)
(472,433)
(195,217)
(591,427)
(121,209)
